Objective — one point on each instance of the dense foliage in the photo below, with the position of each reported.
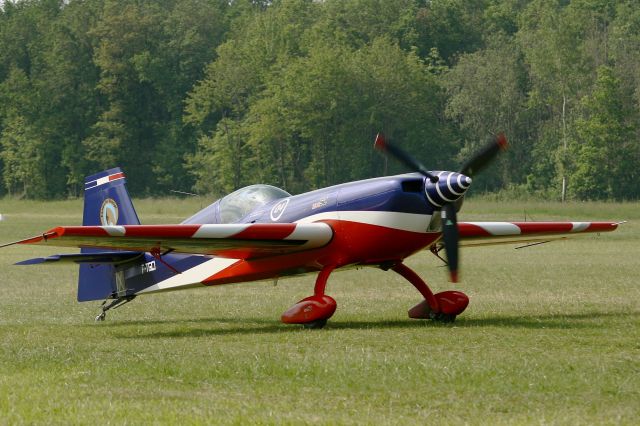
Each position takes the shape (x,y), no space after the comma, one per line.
(211,95)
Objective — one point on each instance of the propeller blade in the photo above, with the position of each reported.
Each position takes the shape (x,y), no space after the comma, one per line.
(485,155)
(388,149)
(450,236)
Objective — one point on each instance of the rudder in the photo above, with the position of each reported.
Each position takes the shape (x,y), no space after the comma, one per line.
(106,203)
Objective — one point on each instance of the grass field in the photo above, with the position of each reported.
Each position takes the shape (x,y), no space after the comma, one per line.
(551,336)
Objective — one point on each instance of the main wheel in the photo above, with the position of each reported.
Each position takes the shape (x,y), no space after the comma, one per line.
(101,317)
(317,324)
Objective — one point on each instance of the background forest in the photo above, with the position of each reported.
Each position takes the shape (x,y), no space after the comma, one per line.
(211,95)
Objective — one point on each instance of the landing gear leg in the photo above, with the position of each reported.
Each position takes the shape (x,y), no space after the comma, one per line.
(314,311)
(423,310)
(443,307)
(116,303)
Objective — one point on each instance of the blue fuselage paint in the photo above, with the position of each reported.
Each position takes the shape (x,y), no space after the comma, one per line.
(402,193)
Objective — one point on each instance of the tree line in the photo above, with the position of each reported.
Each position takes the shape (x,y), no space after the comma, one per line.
(212,95)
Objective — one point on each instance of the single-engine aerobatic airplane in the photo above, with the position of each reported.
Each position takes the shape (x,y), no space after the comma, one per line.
(263,233)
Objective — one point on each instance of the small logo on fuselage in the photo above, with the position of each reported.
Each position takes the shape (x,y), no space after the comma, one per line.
(109,213)
(319,204)
(278,209)
(148,267)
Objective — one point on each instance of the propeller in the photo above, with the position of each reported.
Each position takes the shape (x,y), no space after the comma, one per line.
(448,192)
(388,149)
(450,237)
(481,159)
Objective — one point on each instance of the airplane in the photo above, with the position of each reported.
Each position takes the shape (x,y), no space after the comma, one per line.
(261,232)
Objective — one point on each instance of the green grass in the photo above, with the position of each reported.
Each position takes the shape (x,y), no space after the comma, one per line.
(551,336)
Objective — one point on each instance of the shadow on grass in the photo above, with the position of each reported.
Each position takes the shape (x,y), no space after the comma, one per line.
(220,326)
(267,327)
(552,321)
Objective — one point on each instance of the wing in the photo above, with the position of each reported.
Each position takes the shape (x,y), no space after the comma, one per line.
(238,241)
(487,233)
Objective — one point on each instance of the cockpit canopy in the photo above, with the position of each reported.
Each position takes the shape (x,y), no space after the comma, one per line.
(238,204)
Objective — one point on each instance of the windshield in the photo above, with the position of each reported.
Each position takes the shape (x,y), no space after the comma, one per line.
(238,204)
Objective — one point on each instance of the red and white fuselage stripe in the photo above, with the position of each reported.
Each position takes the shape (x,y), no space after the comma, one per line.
(409,222)
(192,277)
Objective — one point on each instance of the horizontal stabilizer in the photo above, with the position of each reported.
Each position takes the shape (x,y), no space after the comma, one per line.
(95,258)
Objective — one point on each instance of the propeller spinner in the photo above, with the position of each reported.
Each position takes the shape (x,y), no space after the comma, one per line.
(445,190)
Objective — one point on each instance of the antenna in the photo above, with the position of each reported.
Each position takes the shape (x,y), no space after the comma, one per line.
(183,192)
(187,193)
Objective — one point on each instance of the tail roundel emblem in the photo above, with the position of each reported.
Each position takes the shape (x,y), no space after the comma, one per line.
(109,213)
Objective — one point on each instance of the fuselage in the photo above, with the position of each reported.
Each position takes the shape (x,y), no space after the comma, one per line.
(375,221)
(369,217)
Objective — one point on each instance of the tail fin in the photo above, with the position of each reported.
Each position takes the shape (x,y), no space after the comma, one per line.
(106,203)
(106,200)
